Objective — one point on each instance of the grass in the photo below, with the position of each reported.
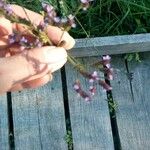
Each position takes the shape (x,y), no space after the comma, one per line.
(105,17)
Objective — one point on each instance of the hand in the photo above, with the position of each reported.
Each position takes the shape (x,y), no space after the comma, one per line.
(30,68)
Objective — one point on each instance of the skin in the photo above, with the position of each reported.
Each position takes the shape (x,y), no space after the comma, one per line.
(30,68)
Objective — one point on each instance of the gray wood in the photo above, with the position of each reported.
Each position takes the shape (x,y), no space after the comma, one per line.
(39,121)
(90,122)
(133,117)
(4,134)
(111,45)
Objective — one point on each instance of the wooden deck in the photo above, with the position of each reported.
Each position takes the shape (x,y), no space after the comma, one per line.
(39,119)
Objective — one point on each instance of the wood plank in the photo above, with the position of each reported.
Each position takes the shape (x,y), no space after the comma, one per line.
(4,132)
(133,116)
(90,122)
(39,121)
(111,45)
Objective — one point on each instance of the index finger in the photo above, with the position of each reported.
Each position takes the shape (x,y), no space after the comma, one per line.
(55,34)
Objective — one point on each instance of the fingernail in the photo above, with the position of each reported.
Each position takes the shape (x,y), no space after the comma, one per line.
(62,43)
(55,54)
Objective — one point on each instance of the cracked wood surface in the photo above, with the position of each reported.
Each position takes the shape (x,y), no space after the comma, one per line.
(133,98)
(39,118)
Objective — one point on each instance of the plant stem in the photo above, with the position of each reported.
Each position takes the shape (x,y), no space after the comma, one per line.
(75,64)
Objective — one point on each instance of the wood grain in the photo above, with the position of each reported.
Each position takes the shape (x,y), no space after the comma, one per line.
(90,121)
(111,45)
(4,132)
(39,121)
(134,103)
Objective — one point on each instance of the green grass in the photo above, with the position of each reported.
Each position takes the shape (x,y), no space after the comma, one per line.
(105,17)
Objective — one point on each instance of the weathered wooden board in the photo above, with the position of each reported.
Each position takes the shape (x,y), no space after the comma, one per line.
(39,121)
(90,122)
(133,100)
(4,132)
(111,45)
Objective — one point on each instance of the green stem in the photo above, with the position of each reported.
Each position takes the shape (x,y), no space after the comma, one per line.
(75,64)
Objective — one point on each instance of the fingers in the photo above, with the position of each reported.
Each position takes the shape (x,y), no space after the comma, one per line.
(5,30)
(35,18)
(52,67)
(55,34)
(5,27)
(33,83)
(21,67)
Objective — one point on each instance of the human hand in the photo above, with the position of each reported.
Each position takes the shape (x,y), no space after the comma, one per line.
(30,68)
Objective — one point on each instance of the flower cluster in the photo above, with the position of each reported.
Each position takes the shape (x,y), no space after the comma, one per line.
(94,80)
(85,4)
(108,70)
(6,7)
(51,17)
(23,41)
(77,87)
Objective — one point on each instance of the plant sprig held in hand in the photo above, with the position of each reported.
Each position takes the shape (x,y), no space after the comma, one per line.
(40,38)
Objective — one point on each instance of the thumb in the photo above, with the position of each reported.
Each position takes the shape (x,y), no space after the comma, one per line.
(22,67)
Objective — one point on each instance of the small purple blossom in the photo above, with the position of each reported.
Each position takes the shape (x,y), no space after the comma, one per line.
(94,77)
(8,9)
(106,86)
(42,25)
(80,92)
(57,19)
(109,73)
(106,60)
(38,43)
(23,40)
(85,4)
(24,43)
(2,3)
(71,21)
(92,90)
(12,38)
(64,20)
(107,57)
(50,14)
(47,8)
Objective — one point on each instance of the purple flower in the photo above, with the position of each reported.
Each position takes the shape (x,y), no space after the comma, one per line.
(92,90)
(50,13)
(86,1)
(107,57)
(42,25)
(12,38)
(94,77)
(80,92)
(85,4)
(109,73)
(71,21)
(23,40)
(106,86)
(47,8)
(106,60)
(2,4)
(57,19)
(8,9)
(64,20)
(38,43)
